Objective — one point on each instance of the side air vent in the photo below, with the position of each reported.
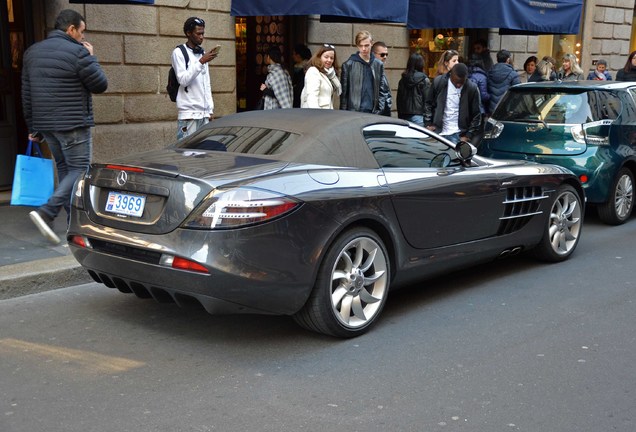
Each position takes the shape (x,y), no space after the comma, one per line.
(520,205)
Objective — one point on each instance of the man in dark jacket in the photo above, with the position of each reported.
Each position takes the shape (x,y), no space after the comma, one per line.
(58,76)
(501,77)
(361,78)
(452,105)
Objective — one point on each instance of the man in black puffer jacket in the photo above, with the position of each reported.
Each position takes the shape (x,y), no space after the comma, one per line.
(58,76)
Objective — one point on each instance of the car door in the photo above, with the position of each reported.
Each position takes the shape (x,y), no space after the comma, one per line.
(438,201)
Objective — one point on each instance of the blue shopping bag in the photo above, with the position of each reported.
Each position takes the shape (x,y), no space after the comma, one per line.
(33,178)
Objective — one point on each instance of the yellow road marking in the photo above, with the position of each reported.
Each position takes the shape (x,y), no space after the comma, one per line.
(92,362)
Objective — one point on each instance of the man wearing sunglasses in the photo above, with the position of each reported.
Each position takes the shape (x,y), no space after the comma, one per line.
(194,98)
(381,52)
(361,78)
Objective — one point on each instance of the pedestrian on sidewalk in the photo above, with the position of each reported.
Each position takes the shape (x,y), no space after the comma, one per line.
(195,105)
(58,77)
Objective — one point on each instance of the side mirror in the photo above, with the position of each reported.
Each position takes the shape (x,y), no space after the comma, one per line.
(465,151)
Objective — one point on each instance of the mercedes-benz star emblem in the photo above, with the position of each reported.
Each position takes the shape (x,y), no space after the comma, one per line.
(122,178)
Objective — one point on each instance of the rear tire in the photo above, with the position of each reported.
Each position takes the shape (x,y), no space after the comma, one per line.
(618,207)
(351,288)
(563,229)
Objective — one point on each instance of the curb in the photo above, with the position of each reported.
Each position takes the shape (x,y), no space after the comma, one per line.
(21,279)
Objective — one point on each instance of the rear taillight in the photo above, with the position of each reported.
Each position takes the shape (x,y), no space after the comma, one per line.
(581,136)
(493,129)
(77,197)
(239,207)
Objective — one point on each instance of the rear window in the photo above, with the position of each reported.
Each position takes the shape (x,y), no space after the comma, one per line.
(558,106)
(240,139)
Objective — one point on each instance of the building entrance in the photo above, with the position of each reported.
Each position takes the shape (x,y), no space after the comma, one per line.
(16,33)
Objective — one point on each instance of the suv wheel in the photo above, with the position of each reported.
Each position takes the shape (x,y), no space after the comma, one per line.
(619,206)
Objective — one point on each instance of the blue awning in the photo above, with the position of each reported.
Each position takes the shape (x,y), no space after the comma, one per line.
(536,16)
(131,2)
(376,10)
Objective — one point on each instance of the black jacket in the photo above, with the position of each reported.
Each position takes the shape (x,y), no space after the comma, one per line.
(351,77)
(58,77)
(501,77)
(411,94)
(469,113)
(621,75)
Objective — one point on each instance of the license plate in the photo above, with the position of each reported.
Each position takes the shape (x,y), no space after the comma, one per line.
(127,204)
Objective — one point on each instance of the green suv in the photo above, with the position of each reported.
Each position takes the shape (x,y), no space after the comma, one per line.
(588,127)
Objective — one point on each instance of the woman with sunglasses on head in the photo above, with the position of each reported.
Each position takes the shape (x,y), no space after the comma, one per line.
(446,62)
(321,80)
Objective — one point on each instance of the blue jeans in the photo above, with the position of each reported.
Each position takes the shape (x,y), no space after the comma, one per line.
(415,118)
(188,127)
(454,138)
(72,151)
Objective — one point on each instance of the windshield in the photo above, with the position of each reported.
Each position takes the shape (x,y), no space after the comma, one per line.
(557,107)
(239,139)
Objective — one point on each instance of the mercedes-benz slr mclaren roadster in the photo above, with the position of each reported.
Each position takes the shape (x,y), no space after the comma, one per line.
(315,214)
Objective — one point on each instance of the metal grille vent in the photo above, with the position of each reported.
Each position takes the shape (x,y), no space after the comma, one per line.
(520,205)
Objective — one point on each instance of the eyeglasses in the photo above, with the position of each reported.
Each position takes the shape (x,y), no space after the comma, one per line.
(383,55)
(329,46)
(199,22)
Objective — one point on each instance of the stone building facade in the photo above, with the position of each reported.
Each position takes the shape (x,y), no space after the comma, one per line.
(133,43)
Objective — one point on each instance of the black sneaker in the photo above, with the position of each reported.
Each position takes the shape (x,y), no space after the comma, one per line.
(44,226)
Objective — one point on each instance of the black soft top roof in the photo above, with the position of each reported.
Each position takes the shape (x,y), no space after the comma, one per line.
(326,137)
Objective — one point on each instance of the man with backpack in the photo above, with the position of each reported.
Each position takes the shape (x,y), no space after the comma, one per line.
(190,64)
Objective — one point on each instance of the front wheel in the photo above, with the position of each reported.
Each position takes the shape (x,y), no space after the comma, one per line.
(351,287)
(563,229)
(619,206)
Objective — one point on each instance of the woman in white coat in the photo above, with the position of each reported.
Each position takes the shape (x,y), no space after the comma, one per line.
(321,81)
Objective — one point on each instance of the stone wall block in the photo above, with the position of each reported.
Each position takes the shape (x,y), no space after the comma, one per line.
(603,31)
(595,48)
(223,79)
(108,48)
(611,47)
(108,108)
(622,32)
(515,43)
(149,108)
(132,79)
(599,14)
(110,141)
(626,4)
(614,15)
(334,33)
(616,62)
(121,19)
(218,25)
(224,103)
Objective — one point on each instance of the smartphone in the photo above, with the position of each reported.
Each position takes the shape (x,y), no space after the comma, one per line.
(216,49)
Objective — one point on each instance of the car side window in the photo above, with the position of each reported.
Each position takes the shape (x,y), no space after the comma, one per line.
(396,146)
(608,104)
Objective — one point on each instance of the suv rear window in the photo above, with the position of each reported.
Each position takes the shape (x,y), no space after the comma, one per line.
(557,107)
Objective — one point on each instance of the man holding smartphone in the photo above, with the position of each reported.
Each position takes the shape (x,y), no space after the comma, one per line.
(194,98)
(59,74)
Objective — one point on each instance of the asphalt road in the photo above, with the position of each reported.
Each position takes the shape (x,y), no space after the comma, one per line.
(514,345)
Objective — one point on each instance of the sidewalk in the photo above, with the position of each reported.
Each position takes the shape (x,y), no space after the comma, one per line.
(28,262)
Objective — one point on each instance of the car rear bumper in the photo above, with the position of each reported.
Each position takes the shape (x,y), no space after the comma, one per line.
(258,270)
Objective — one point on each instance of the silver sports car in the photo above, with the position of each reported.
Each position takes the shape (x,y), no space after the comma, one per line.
(315,214)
